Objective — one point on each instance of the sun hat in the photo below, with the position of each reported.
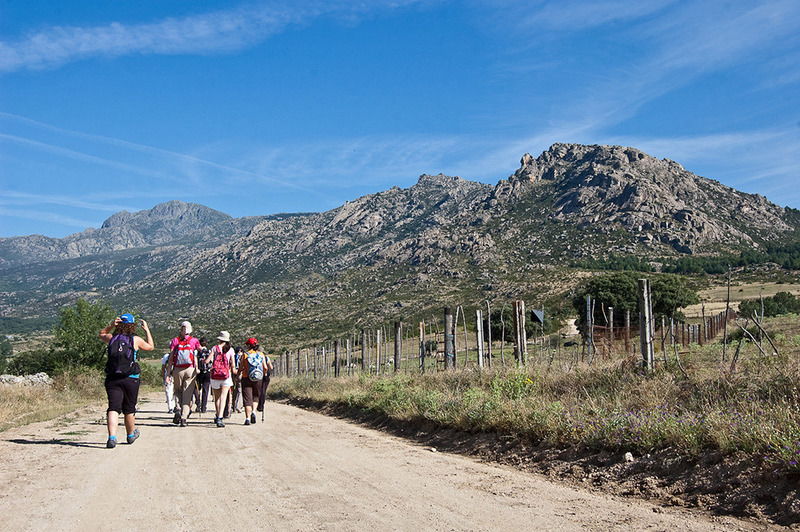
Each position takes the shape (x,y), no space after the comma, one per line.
(251,341)
(224,336)
(188,326)
(127,318)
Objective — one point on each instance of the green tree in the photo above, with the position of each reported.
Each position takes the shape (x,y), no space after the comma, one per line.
(76,342)
(6,350)
(670,292)
(621,291)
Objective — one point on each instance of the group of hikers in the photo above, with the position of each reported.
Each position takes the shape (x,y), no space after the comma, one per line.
(188,371)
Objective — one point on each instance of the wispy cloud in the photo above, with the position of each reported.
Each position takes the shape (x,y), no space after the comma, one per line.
(574,15)
(46,217)
(11,197)
(218,31)
(189,163)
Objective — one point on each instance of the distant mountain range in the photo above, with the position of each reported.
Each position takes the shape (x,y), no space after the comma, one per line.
(395,253)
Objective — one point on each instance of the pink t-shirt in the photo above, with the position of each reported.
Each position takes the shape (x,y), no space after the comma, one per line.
(194,343)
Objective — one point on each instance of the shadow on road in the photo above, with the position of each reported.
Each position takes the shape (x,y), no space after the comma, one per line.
(59,442)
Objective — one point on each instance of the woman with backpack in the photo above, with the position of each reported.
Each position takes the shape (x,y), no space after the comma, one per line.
(203,379)
(122,374)
(253,368)
(220,360)
(183,368)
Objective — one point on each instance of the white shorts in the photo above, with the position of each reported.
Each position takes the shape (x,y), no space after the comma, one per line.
(216,384)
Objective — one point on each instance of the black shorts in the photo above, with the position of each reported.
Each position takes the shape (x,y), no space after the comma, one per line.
(250,391)
(122,395)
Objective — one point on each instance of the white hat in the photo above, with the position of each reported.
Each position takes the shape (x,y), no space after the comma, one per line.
(224,336)
(188,326)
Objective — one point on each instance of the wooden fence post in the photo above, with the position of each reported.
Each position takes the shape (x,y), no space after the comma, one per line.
(449,339)
(520,336)
(488,334)
(336,348)
(378,350)
(646,324)
(627,331)
(363,351)
(422,346)
(349,348)
(479,333)
(398,344)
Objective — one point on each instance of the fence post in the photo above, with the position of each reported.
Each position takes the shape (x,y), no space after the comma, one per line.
(378,350)
(646,324)
(336,348)
(449,339)
(488,334)
(520,336)
(611,327)
(349,348)
(398,344)
(422,347)
(479,332)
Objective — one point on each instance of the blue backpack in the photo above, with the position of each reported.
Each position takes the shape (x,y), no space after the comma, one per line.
(255,369)
(121,357)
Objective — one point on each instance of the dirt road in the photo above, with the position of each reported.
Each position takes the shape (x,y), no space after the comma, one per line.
(297,471)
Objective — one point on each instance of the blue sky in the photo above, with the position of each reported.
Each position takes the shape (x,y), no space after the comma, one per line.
(264,107)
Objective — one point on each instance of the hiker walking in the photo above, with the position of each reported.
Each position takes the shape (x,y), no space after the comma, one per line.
(183,368)
(122,374)
(220,360)
(203,380)
(232,400)
(166,378)
(264,384)
(252,370)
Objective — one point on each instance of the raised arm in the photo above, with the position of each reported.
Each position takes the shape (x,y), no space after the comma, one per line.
(144,345)
(105,333)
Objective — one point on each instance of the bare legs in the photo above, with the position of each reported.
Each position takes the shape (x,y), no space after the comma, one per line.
(112,419)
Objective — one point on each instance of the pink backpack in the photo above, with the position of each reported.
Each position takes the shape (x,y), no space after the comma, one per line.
(220,368)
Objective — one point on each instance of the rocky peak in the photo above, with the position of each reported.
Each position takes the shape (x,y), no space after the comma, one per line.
(655,199)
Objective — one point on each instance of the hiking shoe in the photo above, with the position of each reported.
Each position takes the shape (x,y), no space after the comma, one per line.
(132,437)
(253,419)
(246,421)
(182,422)
(111,443)
(176,418)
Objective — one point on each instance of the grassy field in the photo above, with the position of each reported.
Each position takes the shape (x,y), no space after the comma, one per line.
(713,299)
(699,404)
(76,388)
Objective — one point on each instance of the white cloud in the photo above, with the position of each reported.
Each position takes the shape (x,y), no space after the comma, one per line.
(218,31)
(40,216)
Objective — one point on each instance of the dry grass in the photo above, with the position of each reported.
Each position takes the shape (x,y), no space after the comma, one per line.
(609,405)
(714,298)
(20,405)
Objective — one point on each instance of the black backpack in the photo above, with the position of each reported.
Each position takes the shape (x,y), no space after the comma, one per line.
(202,367)
(121,357)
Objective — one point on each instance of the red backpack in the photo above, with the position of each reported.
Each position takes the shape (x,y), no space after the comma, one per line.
(184,353)
(220,367)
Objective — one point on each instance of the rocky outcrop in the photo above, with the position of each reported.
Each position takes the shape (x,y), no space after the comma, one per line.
(169,222)
(656,201)
(37,379)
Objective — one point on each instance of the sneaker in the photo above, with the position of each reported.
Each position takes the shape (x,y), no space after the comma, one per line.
(111,443)
(176,418)
(132,437)
(253,419)
(182,422)
(221,424)
(246,421)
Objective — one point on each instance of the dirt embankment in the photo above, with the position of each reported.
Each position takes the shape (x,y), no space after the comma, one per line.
(297,471)
(726,485)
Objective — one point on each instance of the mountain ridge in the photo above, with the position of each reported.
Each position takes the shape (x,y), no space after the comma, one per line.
(443,239)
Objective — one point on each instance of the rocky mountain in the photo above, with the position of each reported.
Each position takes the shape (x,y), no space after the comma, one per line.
(444,240)
(173,221)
